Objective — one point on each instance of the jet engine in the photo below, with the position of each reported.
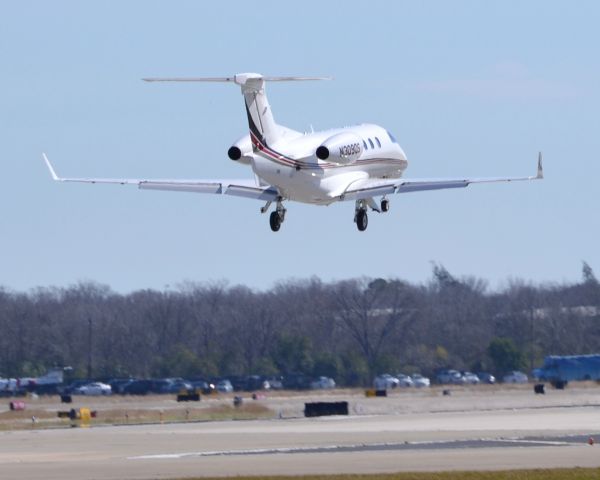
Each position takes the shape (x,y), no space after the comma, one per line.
(241,151)
(342,148)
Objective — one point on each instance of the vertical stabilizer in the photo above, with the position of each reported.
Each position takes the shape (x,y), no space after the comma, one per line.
(260,118)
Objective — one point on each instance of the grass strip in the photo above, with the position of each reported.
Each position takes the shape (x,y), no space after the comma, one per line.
(537,474)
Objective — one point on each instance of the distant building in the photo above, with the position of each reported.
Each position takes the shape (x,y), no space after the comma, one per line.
(568,368)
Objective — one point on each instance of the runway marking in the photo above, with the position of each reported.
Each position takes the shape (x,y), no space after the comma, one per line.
(536,442)
(254,451)
(362,447)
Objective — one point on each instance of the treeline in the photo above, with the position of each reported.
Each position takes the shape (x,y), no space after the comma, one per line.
(350,330)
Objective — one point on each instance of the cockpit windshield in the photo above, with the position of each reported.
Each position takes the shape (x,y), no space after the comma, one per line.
(392,138)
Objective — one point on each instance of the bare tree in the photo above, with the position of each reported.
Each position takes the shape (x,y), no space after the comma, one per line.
(372,313)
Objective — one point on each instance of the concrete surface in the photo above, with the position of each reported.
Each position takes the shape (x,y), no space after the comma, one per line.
(416,431)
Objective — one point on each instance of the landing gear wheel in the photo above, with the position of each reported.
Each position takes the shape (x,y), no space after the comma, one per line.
(362,220)
(385,205)
(275,221)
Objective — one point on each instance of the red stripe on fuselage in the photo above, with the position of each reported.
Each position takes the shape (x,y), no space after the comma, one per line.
(287,161)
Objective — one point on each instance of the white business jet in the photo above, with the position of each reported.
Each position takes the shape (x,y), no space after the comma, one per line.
(355,163)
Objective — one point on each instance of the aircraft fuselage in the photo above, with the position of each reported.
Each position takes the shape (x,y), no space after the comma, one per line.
(294,168)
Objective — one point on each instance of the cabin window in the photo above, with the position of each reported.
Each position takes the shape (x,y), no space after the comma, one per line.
(378,142)
(371,143)
(365,145)
(392,137)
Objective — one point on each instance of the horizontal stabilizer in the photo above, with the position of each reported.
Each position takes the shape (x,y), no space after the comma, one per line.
(294,79)
(189,79)
(239,78)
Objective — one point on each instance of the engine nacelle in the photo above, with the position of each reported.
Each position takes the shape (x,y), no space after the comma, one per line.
(241,151)
(342,148)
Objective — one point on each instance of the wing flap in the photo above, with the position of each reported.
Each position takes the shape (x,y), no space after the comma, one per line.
(367,191)
(259,193)
(174,186)
(422,185)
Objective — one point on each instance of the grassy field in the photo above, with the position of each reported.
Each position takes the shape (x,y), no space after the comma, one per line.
(557,474)
(117,409)
(123,415)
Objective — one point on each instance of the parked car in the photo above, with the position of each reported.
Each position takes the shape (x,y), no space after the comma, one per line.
(238,382)
(470,378)
(224,386)
(138,387)
(117,384)
(175,385)
(203,386)
(250,383)
(485,377)
(8,386)
(96,388)
(385,381)
(160,385)
(275,383)
(420,381)
(73,386)
(323,382)
(296,381)
(404,380)
(515,377)
(450,376)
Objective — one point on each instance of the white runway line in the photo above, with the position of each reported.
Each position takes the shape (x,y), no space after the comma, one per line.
(256,451)
(472,443)
(553,443)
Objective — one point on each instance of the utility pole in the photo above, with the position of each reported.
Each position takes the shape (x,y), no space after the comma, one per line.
(89,365)
(532,337)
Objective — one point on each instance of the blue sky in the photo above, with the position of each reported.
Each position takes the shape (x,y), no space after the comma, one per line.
(469,88)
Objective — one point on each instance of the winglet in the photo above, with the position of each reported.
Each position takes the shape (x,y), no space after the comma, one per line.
(51,168)
(540,168)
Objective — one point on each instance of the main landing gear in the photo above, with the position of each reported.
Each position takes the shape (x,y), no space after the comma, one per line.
(275,221)
(360,215)
(361,218)
(277,216)
(360,211)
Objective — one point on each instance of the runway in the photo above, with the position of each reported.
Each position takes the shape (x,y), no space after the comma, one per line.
(429,441)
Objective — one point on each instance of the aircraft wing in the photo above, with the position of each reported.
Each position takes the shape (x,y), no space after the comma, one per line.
(367,188)
(239,188)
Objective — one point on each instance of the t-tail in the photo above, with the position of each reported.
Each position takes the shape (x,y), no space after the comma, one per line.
(263,129)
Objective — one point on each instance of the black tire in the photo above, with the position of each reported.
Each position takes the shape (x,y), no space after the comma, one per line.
(385,205)
(275,221)
(560,384)
(362,220)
